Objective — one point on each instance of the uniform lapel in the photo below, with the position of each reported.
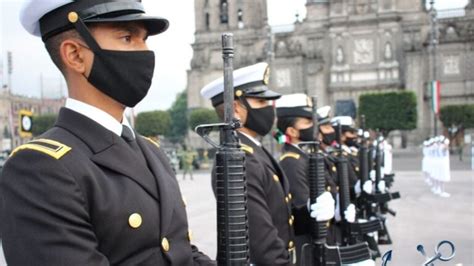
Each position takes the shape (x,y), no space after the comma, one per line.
(164,179)
(268,159)
(108,149)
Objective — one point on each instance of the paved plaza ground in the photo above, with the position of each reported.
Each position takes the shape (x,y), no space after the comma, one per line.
(422,218)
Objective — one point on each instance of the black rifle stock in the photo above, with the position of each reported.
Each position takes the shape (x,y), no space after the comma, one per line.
(231,187)
(317,183)
(363,155)
(344,189)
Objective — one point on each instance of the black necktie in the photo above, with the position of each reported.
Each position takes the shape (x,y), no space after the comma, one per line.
(127,135)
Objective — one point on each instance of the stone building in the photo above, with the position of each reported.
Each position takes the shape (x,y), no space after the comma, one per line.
(10,106)
(342,49)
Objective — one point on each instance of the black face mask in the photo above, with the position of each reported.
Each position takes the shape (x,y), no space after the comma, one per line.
(351,142)
(260,120)
(307,134)
(125,76)
(328,139)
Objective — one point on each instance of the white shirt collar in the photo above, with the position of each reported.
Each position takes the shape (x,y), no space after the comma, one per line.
(254,140)
(296,146)
(98,116)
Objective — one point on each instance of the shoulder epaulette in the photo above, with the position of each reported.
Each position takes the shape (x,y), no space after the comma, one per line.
(246,148)
(290,155)
(50,147)
(156,143)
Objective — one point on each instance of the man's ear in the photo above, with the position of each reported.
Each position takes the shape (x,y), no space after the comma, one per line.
(240,112)
(292,132)
(74,57)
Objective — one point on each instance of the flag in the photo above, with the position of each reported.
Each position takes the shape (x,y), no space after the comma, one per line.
(435,95)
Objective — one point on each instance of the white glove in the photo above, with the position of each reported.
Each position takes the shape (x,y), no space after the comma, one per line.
(367,187)
(372,175)
(323,209)
(350,213)
(357,188)
(381,185)
(337,211)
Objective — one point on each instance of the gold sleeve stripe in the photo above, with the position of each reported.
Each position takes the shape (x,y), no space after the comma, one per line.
(50,147)
(290,155)
(157,144)
(246,148)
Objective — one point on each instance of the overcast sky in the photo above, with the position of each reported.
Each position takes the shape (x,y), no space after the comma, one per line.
(32,66)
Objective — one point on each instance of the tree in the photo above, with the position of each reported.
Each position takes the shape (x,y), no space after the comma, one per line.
(460,116)
(41,123)
(179,119)
(153,123)
(201,116)
(389,111)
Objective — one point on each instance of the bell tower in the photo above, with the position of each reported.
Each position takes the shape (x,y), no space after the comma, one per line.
(221,15)
(246,19)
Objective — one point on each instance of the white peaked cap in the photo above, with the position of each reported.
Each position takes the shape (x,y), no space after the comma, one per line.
(294,100)
(249,81)
(32,11)
(343,120)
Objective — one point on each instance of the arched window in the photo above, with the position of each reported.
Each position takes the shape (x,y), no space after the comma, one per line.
(224,12)
(208,21)
(240,17)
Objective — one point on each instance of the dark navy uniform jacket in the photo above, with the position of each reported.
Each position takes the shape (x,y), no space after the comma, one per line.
(269,207)
(79,196)
(294,162)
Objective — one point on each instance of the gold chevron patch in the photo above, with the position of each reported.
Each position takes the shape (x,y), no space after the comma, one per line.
(50,147)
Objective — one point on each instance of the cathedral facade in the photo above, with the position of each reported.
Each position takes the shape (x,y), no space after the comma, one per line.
(342,49)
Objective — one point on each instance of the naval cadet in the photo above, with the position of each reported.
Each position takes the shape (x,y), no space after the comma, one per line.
(349,146)
(271,219)
(295,123)
(91,191)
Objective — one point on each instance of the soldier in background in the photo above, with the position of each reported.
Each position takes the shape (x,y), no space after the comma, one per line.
(295,125)
(350,147)
(271,218)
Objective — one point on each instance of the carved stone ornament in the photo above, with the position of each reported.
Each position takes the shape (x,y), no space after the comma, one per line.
(363,51)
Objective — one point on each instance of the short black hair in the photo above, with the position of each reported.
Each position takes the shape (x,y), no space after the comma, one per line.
(285,122)
(53,45)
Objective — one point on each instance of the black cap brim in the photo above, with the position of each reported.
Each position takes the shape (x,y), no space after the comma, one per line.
(154,25)
(266,94)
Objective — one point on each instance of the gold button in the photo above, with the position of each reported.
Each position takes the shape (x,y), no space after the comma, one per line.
(291,244)
(334,169)
(238,93)
(287,200)
(135,220)
(72,17)
(190,235)
(292,220)
(290,196)
(185,202)
(165,244)
(276,178)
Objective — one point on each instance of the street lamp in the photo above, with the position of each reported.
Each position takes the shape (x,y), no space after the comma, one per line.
(434,84)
